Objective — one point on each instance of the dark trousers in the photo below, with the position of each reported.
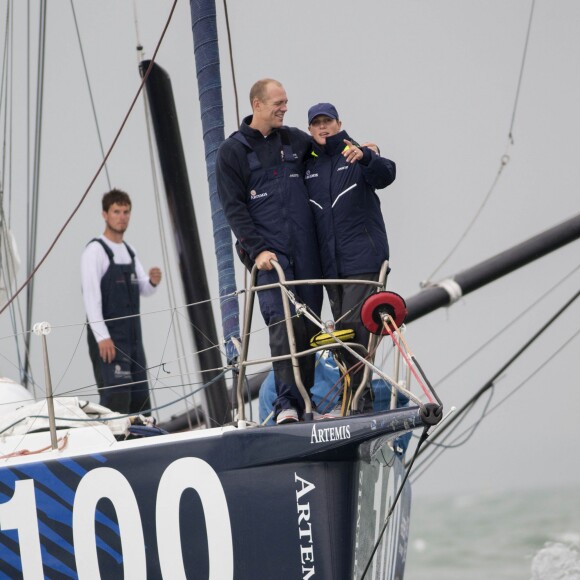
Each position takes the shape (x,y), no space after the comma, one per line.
(348,298)
(122,384)
(288,395)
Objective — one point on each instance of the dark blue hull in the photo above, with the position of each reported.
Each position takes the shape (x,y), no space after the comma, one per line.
(299,501)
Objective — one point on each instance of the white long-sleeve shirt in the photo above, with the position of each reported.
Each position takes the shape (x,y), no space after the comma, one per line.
(94,264)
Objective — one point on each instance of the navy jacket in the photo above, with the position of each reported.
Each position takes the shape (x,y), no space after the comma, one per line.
(350,226)
(260,182)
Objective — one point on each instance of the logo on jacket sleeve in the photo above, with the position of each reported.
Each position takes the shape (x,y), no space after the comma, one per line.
(310,175)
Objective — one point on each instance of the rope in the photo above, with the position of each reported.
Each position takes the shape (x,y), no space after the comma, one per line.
(62,443)
(407,357)
(27,282)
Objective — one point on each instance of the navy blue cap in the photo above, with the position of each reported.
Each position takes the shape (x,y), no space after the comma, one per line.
(322,109)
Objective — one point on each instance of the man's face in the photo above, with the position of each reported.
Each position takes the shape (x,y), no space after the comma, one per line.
(117,217)
(322,127)
(271,110)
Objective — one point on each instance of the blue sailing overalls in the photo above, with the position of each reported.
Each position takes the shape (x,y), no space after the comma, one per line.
(127,374)
(279,207)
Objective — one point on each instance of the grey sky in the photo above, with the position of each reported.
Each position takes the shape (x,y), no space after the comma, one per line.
(434,84)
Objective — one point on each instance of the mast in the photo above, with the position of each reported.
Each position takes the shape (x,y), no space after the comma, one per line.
(191,263)
(207,65)
(448,291)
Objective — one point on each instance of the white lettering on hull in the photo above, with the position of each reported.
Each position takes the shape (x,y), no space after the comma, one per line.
(329,434)
(305,527)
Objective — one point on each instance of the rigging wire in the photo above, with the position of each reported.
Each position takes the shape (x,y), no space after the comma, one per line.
(459,441)
(535,372)
(76,391)
(93,107)
(510,361)
(32,206)
(88,82)
(91,389)
(422,439)
(18,366)
(182,360)
(232,67)
(107,419)
(9,278)
(28,281)
(4,87)
(9,259)
(10,104)
(237,109)
(504,160)
(488,410)
(256,331)
(511,135)
(518,317)
(490,384)
(175,314)
(28,105)
(161,229)
(6,95)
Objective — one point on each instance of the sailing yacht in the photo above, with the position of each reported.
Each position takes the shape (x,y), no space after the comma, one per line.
(205,503)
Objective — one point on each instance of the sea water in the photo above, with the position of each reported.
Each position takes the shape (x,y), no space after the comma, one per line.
(512,535)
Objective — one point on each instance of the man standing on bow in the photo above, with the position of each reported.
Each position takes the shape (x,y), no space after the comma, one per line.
(260,181)
(113,279)
(341,178)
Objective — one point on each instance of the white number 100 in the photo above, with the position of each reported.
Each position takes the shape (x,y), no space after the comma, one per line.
(20,513)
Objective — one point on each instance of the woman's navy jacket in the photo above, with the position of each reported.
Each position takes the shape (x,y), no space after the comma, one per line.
(350,226)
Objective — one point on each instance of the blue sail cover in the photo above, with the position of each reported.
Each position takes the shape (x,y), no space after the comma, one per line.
(207,65)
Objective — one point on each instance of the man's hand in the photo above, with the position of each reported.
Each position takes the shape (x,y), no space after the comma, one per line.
(263,260)
(154,276)
(107,350)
